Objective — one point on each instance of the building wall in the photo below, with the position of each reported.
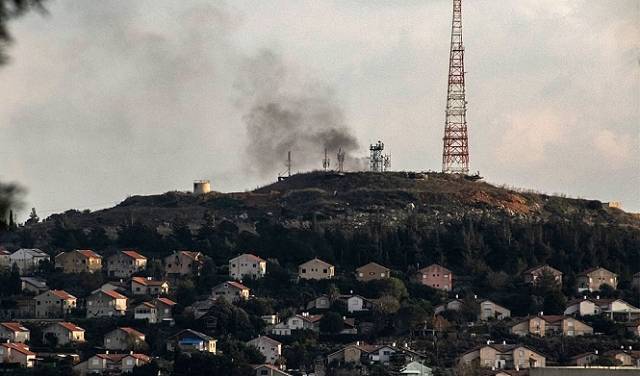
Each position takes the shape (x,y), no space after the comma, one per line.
(315,269)
(50,306)
(74,262)
(595,279)
(123,266)
(101,305)
(522,357)
(371,272)
(437,277)
(247,266)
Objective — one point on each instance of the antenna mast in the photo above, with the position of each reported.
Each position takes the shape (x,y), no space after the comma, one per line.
(455,153)
(341,155)
(326,161)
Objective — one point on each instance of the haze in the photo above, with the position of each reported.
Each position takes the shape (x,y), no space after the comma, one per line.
(108,99)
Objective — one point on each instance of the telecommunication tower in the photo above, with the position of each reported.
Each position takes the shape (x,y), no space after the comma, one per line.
(341,155)
(455,153)
(377,161)
(326,162)
(287,173)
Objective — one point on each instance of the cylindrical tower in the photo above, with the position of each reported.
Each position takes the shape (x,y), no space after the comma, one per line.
(201,187)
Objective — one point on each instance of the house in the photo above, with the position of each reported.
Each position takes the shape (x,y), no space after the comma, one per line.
(503,356)
(269,370)
(546,325)
(303,321)
(28,259)
(372,271)
(230,291)
(436,276)
(64,332)
(625,357)
(13,332)
(108,303)
(581,307)
(146,311)
(356,352)
(164,308)
(316,269)
(17,353)
(183,263)
(269,347)
(123,338)
(349,326)
(591,279)
(33,285)
(617,309)
(451,305)
(54,304)
(536,274)
(635,282)
(148,286)
(247,266)
(356,303)
(321,302)
(490,310)
(191,341)
(5,261)
(79,261)
(111,364)
(584,359)
(125,263)
(416,368)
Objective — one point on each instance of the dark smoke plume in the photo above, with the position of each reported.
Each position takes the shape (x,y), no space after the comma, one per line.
(287,115)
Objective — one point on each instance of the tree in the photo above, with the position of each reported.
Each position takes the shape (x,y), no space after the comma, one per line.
(10,9)
(331,322)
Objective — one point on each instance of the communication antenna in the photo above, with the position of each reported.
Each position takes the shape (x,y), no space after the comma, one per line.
(341,155)
(326,162)
(288,164)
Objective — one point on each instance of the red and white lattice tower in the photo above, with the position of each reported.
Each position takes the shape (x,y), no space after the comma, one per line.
(455,154)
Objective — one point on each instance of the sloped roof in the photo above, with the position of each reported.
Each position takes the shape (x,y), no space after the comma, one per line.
(14,326)
(192,333)
(432,266)
(591,270)
(166,301)
(112,294)
(133,254)
(4,252)
(131,331)
(266,339)
(40,283)
(62,294)
(545,266)
(271,367)
(316,260)
(147,282)
(88,253)
(372,265)
(234,284)
(249,256)
(142,357)
(70,326)
(20,347)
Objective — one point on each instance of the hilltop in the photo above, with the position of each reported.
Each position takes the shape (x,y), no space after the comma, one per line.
(351,199)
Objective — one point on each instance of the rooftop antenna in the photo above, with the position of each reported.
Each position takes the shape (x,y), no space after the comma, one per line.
(326,162)
(287,164)
(341,155)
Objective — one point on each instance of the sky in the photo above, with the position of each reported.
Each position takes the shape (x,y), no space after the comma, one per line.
(106,99)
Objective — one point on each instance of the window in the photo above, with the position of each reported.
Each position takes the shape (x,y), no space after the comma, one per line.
(304,270)
(129,361)
(324,271)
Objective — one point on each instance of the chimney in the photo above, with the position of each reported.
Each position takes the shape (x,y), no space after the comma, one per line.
(393,344)
(475,296)
(488,342)
(598,297)
(541,313)
(630,348)
(131,352)
(517,368)
(107,352)
(595,352)
(584,297)
(357,343)
(456,296)
(350,292)
(504,342)
(149,278)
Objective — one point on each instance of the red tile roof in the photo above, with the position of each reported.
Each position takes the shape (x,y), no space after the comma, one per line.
(372,265)
(113,294)
(71,327)
(143,357)
(191,254)
(132,331)
(166,301)
(62,294)
(250,256)
(88,253)
(112,357)
(147,282)
(134,254)
(237,285)
(433,266)
(14,326)
(20,347)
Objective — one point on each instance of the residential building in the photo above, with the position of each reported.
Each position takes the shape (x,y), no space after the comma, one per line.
(108,303)
(321,302)
(627,358)
(54,304)
(591,279)
(436,276)
(371,272)
(124,338)
(617,309)
(111,364)
(581,307)
(5,261)
(536,274)
(155,311)
(503,356)
(64,332)
(356,352)
(148,286)
(303,321)
(230,291)
(451,305)
(269,347)
(14,332)
(316,269)
(125,263)
(183,263)
(17,353)
(492,311)
(79,261)
(191,341)
(634,328)
(33,285)
(247,266)
(356,303)
(546,325)
(269,370)
(28,259)
(416,368)
(585,359)
(146,311)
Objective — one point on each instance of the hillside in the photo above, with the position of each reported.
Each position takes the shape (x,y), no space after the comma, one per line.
(350,200)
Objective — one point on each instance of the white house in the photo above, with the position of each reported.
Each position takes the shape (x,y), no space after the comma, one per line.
(247,266)
(297,322)
(582,307)
(28,259)
(269,347)
(356,303)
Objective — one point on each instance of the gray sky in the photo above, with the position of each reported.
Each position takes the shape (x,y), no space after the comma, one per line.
(105,99)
